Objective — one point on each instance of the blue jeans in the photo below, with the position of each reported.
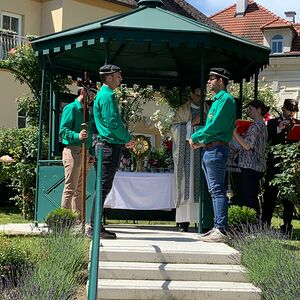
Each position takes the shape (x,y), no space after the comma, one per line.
(214,167)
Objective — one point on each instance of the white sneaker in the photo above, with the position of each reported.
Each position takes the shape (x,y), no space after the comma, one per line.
(213,236)
(206,233)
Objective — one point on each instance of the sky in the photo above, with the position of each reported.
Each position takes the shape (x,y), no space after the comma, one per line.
(209,7)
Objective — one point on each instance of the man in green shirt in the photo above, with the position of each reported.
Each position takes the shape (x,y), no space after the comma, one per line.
(72,136)
(112,134)
(214,137)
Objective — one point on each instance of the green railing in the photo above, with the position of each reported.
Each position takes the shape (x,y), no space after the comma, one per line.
(94,261)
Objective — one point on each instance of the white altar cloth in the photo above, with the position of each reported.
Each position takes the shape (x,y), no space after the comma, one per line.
(142,191)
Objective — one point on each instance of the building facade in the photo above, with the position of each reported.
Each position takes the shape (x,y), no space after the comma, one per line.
(250,20)
(40,17)
(43,17)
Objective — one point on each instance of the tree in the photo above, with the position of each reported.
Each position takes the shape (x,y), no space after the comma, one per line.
(265,94)
(288,180)
(24,66)
(20,145)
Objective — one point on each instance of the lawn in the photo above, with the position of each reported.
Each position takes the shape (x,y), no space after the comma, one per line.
(11,214)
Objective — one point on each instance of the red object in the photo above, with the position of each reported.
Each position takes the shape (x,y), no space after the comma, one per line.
(242,125)
(294,134)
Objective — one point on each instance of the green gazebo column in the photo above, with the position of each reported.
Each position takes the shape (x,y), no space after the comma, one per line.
(202,179)
(40,134)
(51,119)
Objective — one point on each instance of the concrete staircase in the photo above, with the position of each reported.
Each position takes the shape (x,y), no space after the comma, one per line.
(156,264)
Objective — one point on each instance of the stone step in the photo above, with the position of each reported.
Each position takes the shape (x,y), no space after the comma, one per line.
(167,271)
(157,254)
(184,290)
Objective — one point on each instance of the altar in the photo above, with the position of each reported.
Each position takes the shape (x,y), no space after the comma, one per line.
(142,191)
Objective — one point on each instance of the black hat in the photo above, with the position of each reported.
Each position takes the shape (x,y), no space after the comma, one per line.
(291,105)
(109,69)
(220,72)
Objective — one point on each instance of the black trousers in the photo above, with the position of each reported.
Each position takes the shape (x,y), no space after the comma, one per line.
(271,195)
(110,165)
(251,187)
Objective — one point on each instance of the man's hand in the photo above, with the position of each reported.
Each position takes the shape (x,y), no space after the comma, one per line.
(83,134)
(283,124)
(130,144)
(91,160)
(195,145)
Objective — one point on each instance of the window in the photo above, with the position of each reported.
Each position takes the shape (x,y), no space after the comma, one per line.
(277,43)
(11,22)
(21,119)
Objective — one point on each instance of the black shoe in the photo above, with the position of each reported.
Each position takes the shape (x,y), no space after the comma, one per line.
(184,227)
(286,229)
(106,234)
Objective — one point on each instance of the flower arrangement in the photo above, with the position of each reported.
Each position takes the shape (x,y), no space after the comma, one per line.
(163,119)
(162,158)
(131,101)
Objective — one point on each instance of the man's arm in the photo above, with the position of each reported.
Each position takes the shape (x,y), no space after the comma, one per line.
(66,130)
(226,110)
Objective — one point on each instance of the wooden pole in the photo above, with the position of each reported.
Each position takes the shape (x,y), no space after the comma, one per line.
(83,169)
(84,158)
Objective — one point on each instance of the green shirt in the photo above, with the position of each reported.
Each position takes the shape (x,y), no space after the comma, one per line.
(220,120)
(107,118)
(70,125)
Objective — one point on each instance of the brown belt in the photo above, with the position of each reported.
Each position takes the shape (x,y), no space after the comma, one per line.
(216,143)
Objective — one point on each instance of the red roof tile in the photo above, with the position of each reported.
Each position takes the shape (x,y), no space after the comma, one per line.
(251,25)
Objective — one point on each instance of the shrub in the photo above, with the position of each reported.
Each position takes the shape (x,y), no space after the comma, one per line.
(15,256)
(61,219)
(273,264)
(238,216)
(58,273)
(21,146)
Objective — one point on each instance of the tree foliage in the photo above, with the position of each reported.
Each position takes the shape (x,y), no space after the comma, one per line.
(265,94)
(288,180)
(24,66)
(131,101)
(21,146)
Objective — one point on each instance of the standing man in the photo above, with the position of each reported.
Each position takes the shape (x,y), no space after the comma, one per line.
(278,130)
(186,161)
(72,136)
(215,136)
(112,134)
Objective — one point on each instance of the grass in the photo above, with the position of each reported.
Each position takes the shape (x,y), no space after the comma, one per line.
(11,214)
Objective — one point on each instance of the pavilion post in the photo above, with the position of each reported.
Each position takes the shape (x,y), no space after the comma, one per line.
(40,134)
(201,193)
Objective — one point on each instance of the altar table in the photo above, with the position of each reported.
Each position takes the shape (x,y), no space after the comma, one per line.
(142,191)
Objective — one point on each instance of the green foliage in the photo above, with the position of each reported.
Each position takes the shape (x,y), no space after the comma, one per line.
(265,94)
(15,256)
(272,263)
(21,145)
(131,101)
(173,97)
(23,63)
(288,179)
(238,216)
(58,272)
(161,158)
(61,219)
